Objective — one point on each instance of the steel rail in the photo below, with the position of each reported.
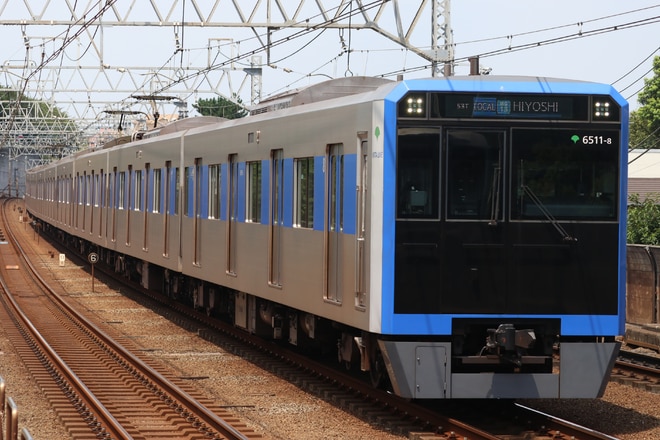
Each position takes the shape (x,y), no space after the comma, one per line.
(193,407)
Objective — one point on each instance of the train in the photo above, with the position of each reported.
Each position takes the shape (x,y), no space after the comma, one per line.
(446,237)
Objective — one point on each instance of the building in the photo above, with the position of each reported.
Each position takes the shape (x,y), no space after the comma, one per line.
(644,173)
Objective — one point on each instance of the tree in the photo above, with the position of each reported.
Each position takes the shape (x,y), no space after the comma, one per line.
(644,220)
(645,122)
(222,107)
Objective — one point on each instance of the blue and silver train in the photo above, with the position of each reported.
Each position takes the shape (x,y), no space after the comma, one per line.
(447,236)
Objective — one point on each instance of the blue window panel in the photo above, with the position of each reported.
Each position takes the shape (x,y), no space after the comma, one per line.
(287,215)
(204,192)
(224,178)
(350,170)
(319,193)
(265,195)
(241,193)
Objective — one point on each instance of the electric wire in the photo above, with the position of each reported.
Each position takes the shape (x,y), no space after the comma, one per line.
(537,31)
(637,66)
(45,61)
(283,40)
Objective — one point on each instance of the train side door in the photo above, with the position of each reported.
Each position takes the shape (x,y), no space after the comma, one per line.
(167,210)
(197,211)
(334,225)
(276,213)
(232,214)
(361,231)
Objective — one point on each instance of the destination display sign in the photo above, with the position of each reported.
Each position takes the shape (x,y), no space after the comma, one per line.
(495,106)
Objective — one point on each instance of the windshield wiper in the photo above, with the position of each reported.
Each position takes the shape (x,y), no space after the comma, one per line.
(494,195)
(565,236)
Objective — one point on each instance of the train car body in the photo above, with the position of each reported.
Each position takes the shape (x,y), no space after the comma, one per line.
(447,235)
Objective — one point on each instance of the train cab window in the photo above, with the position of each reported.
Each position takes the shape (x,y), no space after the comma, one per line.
(565,174)
(474,174)
(418,155)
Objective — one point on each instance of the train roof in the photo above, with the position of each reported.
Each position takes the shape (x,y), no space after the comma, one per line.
(333,88)
(509,83)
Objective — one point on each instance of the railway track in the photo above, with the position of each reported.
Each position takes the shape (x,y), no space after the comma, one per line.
(638,370)
(398,415)
(98,388)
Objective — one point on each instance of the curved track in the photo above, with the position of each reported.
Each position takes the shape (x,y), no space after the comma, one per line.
(98,388)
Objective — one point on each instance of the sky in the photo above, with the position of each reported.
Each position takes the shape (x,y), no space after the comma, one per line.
(619,57)
(564,39)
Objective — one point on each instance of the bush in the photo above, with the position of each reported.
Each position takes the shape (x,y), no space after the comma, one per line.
(644,220)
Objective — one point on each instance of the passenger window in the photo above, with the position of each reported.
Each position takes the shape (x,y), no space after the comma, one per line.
(215,179)
(304,193)
(138,190)
(121,194)
(156,201)
(417,173)
(253,192)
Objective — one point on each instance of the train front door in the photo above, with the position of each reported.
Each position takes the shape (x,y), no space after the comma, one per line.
(473,248)
(450,225)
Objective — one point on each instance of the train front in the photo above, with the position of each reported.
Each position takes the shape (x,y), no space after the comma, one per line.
(503,236)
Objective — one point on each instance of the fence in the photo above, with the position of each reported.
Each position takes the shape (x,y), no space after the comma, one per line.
(642,284)
(9,412)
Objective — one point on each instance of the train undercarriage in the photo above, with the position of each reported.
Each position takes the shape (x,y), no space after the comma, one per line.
(313,335)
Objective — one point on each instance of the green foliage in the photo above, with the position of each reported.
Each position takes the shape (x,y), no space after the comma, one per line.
(645,122)
(43,118)
(222,107)
(644,220)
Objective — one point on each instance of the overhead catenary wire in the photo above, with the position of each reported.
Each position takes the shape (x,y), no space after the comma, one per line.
(312,28)
(537,44)
(103,7)
(341,15)
(637,66)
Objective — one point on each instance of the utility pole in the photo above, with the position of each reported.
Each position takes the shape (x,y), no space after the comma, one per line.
(443,38)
